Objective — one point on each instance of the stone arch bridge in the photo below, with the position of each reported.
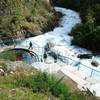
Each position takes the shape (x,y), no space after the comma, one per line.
(33,51)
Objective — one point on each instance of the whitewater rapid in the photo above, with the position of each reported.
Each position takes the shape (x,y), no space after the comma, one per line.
(59,36)
(62,42)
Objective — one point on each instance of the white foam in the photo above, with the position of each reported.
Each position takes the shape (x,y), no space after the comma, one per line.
(59,36)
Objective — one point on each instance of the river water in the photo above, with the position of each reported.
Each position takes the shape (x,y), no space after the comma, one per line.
(59,36)
(62,43)
(61,40)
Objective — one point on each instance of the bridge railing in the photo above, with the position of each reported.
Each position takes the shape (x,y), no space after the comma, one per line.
(34,45)
(79,66)
(15,42)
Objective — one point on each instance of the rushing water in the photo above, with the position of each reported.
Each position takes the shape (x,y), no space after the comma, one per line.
(60,38)
(62,41)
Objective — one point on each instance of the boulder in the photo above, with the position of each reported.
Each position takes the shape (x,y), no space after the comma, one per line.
(95,63)
(48,46)
(85,56)
(2,73)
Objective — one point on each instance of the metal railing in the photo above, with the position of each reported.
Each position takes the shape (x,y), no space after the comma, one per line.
(39,50)
(79,66)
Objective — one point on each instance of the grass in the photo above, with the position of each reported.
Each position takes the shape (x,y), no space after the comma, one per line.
(7,81)
(39,84)
(8,55)
(26,83)
(13,87)
(44,83)
(9,84)
(21,94)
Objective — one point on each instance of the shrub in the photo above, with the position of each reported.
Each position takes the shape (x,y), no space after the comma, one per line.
(14,15)
(86,37)
(7,55)
(88,33)
(39,83)
(83,95)
(42,82)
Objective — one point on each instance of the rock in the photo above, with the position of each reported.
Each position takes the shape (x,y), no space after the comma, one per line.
(11,72)
(85,56)
(8,41)
(2,73)
(54,55)
(95,63)
(45,56)
(12,93)
(48,46)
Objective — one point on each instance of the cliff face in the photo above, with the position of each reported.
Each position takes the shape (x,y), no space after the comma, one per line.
(20,16)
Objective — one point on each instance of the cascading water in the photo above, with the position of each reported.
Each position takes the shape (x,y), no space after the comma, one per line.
(62,41)
(60,38)
(60,34)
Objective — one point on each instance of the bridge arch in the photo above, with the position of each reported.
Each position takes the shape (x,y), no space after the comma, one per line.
(33,54)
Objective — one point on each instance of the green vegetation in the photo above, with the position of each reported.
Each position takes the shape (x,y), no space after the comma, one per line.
(36,83)
(45,83)
(26,83)
(8,55)
(18,17)
(21,94)
(86,34)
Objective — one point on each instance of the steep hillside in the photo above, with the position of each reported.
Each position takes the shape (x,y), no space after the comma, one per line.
(22,16)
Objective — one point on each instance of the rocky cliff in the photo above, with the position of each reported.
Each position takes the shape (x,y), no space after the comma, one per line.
(19,17)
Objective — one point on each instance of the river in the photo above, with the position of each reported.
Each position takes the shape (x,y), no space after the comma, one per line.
(62,41)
